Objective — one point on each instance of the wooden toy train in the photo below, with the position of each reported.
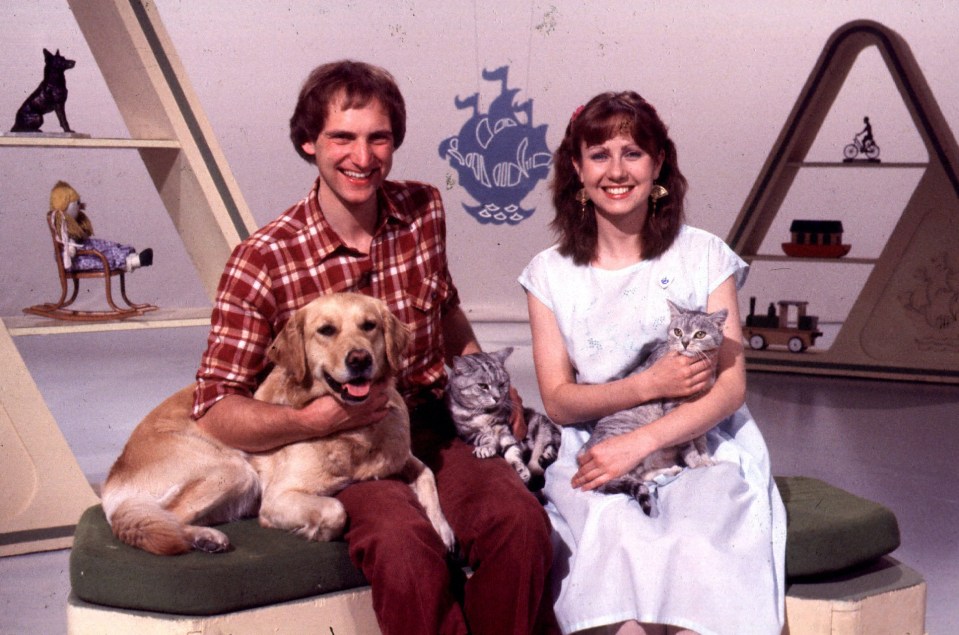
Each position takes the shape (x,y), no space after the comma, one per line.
(776,328)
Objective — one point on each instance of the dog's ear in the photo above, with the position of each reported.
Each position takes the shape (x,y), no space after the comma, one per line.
(397,338)
(288,350)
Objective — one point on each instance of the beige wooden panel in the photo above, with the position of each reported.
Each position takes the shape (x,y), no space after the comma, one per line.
(154,96)
(43,490)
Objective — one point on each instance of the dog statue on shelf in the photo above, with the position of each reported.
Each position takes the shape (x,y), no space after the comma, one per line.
(50,96)
(75,232)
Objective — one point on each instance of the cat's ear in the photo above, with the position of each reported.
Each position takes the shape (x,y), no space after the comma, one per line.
(719,318)
(503,353)
(674,309)
(459,364)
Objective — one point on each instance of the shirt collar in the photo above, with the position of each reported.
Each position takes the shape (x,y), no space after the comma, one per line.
(328,241)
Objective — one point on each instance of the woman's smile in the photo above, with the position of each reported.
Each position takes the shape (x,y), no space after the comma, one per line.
(617,174)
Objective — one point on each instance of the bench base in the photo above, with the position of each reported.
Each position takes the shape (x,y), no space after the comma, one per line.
(887,598)
(339,613)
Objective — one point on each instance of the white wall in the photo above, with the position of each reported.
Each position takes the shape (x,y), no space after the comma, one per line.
(724,75)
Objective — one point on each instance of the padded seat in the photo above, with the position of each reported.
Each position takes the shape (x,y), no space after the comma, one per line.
(266,566)
(829,530)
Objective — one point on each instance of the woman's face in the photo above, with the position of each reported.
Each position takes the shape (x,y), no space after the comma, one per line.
(618,175)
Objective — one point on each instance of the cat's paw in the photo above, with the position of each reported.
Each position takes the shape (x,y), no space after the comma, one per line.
(523,472)
(699,461)
(484,451)
(548,455)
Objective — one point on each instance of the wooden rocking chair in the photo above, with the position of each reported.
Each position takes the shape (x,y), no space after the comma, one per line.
(58,310)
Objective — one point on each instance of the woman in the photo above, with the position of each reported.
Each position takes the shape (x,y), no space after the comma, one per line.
(712,560)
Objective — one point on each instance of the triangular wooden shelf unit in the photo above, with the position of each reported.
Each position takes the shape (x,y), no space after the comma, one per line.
(44,488)
(904,324)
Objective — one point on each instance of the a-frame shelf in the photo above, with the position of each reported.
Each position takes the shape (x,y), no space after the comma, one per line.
(43,488)
(904,323)
(87,142)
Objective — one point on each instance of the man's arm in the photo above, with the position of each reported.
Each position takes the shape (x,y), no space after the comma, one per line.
(458,335)
(255,426)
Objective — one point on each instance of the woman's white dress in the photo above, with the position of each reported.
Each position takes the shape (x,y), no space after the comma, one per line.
(713,559)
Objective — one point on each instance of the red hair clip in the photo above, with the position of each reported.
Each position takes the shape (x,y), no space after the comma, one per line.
(576,114)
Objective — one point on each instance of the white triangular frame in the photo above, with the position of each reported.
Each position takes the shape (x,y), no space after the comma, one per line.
(881,337)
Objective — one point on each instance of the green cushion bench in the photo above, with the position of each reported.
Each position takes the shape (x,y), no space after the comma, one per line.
(829,531)
(265,566)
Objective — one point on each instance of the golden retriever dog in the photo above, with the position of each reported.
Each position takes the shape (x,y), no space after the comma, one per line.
(172,479)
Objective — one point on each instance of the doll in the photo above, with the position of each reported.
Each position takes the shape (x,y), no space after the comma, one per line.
(75,232)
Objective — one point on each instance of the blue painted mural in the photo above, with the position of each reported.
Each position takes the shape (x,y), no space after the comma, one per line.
(498,155)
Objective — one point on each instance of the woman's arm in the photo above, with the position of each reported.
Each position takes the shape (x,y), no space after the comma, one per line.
(616,456)
(567,402)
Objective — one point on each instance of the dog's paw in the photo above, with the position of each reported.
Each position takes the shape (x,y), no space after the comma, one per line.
(319,518)
(208,540)
(484,451)
(446,534)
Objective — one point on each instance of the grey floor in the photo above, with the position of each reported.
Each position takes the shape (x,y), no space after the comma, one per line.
(895,443)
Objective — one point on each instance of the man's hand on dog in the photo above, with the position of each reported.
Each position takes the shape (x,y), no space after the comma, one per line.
(327,415)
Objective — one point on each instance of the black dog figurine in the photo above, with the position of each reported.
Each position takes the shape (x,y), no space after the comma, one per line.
(50,96)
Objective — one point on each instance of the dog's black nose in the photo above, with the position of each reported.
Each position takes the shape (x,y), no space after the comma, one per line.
(358,360)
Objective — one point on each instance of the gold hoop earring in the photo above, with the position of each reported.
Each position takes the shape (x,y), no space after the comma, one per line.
(657,192)
(583,197)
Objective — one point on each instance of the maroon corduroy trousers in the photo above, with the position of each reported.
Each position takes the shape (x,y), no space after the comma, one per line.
(501,530)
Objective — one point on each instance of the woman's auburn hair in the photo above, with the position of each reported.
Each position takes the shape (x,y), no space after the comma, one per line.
(605,116)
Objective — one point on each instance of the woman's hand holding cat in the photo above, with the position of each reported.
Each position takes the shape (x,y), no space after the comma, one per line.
(677,375)
(610,459)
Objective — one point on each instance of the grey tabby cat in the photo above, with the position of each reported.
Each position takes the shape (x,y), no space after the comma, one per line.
(693,333)
(478,400)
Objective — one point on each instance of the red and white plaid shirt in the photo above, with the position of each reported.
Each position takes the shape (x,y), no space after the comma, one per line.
(298,257)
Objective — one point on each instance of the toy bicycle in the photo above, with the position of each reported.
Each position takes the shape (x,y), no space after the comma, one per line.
(857,147)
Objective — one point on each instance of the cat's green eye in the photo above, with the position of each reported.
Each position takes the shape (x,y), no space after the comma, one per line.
(700,335)
(678,332)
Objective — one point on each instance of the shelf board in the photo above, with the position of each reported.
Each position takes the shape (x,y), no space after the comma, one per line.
(86,142)
(21,325)
(838,261)
(872,165)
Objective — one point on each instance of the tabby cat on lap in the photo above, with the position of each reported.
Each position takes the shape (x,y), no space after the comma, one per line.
(479,401)
(693,333)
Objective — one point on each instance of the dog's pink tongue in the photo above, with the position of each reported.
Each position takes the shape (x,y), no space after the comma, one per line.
(358,391)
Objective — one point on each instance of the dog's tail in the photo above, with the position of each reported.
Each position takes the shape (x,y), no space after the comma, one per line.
(145,524)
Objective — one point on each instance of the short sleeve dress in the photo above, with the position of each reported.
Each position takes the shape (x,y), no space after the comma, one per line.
(713,560)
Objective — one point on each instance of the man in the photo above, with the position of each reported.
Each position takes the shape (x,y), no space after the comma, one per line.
(357,231)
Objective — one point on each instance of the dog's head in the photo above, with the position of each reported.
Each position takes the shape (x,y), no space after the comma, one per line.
(345,341)
(55,61)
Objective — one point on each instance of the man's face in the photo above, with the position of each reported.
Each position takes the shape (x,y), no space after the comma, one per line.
(354,154)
